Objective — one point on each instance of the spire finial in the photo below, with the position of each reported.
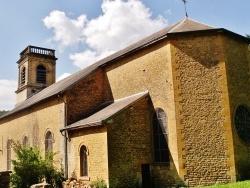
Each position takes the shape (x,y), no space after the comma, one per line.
(185,2)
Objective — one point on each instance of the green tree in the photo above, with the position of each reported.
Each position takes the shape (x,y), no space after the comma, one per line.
(30,168)
(2,112)
(248,36)
(52,176)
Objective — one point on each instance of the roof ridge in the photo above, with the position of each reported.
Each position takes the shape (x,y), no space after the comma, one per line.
(184,25)
(178,25)
(200,22)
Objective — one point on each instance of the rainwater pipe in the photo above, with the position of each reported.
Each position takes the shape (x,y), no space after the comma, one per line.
(65,137)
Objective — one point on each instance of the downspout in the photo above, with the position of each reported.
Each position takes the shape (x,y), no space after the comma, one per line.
(65,137)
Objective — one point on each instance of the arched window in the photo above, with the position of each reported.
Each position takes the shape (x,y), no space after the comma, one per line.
(23,73)
(9,155)
(48,142)
(83,161)
(25,141)
(161,152)
(242,123)
(41,74)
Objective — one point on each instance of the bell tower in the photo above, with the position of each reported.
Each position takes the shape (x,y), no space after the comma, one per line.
(36,71)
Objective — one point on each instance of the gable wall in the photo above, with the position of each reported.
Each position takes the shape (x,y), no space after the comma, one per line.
(238,70)
(86,95)
(202,110)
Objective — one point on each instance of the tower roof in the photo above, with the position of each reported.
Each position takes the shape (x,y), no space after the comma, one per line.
(184,26)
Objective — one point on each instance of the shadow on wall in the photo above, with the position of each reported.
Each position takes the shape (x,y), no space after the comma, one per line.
(207,50)
(166,175)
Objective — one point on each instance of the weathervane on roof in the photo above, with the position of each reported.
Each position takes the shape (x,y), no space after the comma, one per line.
(185,2)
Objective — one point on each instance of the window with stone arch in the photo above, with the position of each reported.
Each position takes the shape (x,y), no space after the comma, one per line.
(25,141)
(23,76)
(9,144)
(160,138)
(242,123)
(48,142)
(83,161)
(41,74)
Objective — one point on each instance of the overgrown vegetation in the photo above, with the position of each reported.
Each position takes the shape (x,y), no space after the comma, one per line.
(31,168)
(2,112)
(243,184)
(99,184)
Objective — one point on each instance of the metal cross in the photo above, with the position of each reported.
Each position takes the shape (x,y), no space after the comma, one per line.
(185,2)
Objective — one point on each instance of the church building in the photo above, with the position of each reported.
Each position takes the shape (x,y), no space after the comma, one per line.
(172,109)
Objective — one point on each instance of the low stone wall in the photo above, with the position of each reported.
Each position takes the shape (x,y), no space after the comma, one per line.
(5,179)
(41,185)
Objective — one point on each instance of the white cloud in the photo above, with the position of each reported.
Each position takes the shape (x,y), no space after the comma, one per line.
(120,24)
(87,57)
(7,94)
(64,75)
(67,32)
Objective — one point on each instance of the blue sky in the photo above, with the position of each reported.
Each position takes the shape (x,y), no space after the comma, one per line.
(83,31)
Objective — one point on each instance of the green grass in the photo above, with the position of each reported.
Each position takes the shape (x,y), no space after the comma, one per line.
(243,184)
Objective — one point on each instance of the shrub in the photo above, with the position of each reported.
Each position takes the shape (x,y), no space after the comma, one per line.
(99,184)
(30,168)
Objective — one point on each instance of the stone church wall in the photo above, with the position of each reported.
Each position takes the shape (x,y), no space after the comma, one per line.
(202,107)
(238,70)
(149,69)
(33,123)
(86,96)
(95,140)
(197,79)
(129,144)
(5,179)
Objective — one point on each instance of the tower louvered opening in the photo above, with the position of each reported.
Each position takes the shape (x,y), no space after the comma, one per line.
(41,74)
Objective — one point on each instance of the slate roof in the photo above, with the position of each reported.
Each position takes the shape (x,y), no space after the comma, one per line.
(185,25)
(103,115)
